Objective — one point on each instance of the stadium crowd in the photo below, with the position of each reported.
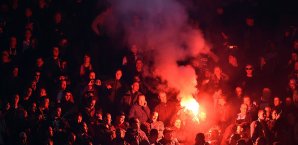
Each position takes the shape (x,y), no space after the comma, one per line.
(65,83)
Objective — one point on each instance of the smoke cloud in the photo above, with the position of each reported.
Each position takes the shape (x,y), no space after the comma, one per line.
(161,27)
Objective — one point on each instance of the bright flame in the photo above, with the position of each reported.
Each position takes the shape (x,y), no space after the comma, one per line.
(190,104)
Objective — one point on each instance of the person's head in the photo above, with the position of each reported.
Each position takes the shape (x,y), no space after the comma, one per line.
(294,56)
(249,21)
(108,118)
(28,12)
(217,71)
(84,127)
(98,114)
(23,138)
(92,103)
(135,86)
(55,51)
(177,123)
(87,58)
(79,118)
(292,84)
(68,97)
(63,84)
(92,75)
(13,42)
(46,103)
(296,66)
(154,116)
(142,100)
(168,133)
(288,101)
(58,112)
(136,78)
(274,114)
(39,62)
(266,92)
(277,101)
(15,71)
(58,17)
(37,75)
(162,97)
(200,139)
(135,123)
(28,92)
(268,111)
(16,98)
(247,100)
(33,107)
(120,118)
(28,34)
(118,74)
(249,70)
(238,91)
(5,56)
(153,135)
(139,65)
(63,42)
(34,85)
(134,49)
(43,92)
(243,108)
(261,114)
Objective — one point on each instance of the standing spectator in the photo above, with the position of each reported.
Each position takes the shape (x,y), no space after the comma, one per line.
(165,109)
(140,110)
(249,82)
(219,78)
(120,122)
(114,88)
(130,97)
(86,67)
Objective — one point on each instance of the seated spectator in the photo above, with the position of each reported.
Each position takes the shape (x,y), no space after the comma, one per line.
(200,139)
(120,122)
(168,137)
(155,124)
(83,136)
(67,104)
(134,134)
(119,139)
(259,128)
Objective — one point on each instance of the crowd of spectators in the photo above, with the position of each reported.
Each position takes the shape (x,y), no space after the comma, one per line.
(61,83)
